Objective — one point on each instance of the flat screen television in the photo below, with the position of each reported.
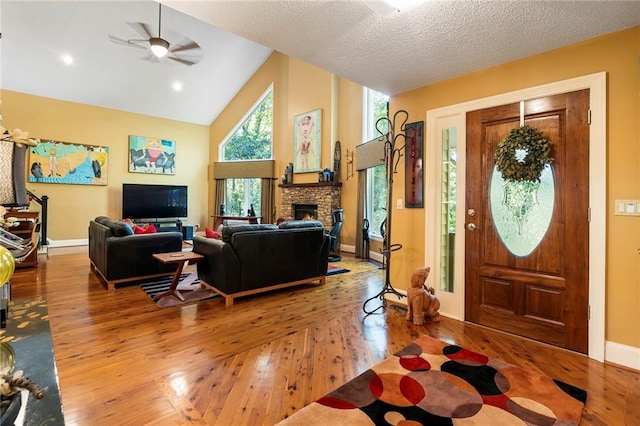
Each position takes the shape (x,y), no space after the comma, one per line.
(140,201)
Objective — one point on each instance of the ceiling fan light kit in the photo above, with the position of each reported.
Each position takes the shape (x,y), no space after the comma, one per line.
(172,46)
(159,46)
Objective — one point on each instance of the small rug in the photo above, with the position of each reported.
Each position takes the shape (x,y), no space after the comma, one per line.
(189,286)
(333,270)
(431,382)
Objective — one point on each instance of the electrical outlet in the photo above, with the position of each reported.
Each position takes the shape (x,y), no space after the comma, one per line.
(399,204)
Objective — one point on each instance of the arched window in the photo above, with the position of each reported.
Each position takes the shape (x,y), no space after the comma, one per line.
(251,139)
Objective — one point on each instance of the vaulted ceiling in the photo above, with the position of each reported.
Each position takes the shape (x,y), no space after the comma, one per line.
(433,41)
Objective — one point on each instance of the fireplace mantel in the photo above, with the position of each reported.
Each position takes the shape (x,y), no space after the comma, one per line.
(310,184)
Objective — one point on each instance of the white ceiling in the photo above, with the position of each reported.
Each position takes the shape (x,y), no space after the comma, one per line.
(428,43)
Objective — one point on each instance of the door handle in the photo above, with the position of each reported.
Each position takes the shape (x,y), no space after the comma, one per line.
(472,226)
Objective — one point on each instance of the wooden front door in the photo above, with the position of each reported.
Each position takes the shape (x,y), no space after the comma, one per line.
(540,292)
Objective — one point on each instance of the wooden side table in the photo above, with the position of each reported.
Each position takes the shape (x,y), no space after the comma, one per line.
(181,258)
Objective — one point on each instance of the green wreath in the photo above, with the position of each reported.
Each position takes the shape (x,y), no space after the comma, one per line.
(529,168)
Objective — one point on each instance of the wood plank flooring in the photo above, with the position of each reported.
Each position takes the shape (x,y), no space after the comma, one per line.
(123,361)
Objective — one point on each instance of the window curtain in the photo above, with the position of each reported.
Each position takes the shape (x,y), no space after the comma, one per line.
(262,169)
(219,195)
(268,200)
(362,190)
(368,154)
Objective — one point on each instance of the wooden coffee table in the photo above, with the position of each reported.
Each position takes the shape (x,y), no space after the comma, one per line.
(181,258)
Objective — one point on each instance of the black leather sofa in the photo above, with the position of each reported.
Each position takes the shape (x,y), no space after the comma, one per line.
(119,256)
(252,259)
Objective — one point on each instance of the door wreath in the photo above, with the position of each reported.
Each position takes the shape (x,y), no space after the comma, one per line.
(522,155)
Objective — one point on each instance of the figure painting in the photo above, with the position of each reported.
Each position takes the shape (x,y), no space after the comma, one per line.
(63,162)
(152,155)
(306,141)
(413,165)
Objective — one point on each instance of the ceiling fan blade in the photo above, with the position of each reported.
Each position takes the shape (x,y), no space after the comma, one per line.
(132,43)
(142,29)
(182,61)
(184,45)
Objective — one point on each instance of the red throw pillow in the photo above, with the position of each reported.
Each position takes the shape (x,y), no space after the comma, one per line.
(210,233)
(150,229)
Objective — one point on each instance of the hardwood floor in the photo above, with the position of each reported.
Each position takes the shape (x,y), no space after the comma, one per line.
(123,361)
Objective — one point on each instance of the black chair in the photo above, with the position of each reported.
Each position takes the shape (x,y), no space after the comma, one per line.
(337,219)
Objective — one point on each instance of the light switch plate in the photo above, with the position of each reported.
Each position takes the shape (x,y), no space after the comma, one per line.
(627,208)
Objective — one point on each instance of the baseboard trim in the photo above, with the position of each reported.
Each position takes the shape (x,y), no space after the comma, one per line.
(372,255)
(624,355)
(67,243)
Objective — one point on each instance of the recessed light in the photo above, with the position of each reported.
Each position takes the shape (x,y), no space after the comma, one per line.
(177,86)
(67,59)
(391,7)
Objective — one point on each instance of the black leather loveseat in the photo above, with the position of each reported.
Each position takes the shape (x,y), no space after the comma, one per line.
(255,258)
(119,256)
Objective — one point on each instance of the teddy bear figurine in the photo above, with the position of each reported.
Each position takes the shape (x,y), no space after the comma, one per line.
(421,300)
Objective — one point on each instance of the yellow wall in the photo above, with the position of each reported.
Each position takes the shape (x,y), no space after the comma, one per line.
(298,88)
(617,54)
(72,206)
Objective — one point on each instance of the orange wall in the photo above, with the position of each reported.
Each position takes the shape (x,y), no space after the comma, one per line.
(617,54)
(298,88)
(72,206)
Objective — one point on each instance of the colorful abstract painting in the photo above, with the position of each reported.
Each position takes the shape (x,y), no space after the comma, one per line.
(152,155)
(64,162)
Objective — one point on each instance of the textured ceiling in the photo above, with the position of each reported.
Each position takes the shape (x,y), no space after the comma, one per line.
(428,43)
(431,42)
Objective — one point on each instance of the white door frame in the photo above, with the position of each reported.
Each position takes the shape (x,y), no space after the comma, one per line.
(452,304)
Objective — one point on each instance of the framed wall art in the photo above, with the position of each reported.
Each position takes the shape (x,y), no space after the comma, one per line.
(413,165)
(307,137)
(152,155)
(65,162)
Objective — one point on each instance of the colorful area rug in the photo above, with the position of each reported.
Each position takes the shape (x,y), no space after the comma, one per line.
(333,270)
(189,287)
(434,383)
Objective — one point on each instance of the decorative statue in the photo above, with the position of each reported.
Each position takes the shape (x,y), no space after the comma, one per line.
(421,301)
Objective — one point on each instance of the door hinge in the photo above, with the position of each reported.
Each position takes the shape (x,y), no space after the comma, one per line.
(589,312)
(589,215)
(589,117)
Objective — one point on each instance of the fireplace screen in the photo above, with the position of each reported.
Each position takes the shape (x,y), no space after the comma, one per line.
(305,211)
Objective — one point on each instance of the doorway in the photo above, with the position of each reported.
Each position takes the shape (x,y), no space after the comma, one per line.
(453,299)
(527,242)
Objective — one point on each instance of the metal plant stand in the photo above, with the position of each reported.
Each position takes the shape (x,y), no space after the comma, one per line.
(392,155)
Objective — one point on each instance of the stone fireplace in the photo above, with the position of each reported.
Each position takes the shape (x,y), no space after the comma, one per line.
(300,199)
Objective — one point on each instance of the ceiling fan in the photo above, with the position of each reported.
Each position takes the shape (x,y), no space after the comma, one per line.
(184,51)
